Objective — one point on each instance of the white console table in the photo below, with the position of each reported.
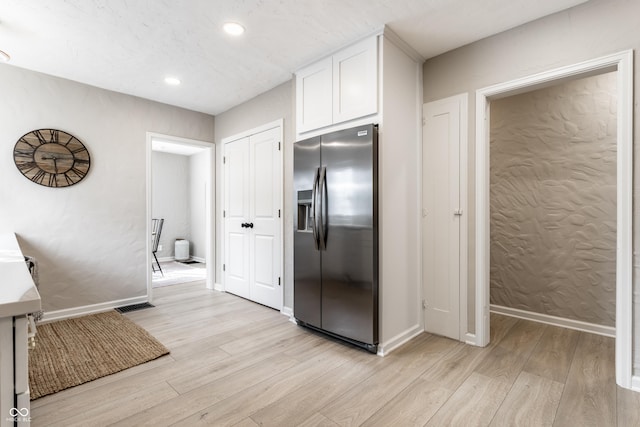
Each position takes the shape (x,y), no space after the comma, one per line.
(18,298)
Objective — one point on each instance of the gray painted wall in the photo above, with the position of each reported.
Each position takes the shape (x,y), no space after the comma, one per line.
(553,200)
(170,199)
(179,192)
(90,239)
(270,106)
(198,168)
(591,30)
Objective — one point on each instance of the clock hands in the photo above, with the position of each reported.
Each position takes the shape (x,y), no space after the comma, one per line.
(55,159)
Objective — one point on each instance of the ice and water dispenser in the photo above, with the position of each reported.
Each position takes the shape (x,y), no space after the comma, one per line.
(304,210)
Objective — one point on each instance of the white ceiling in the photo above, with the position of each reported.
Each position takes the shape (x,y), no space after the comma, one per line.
(130,46)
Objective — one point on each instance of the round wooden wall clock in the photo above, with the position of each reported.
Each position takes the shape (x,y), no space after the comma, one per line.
(51,157)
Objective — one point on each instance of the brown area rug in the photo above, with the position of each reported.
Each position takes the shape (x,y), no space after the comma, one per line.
(74,351)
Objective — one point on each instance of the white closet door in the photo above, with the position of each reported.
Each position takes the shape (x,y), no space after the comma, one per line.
(264,193)
(441,217)
(253,181)
(237,239)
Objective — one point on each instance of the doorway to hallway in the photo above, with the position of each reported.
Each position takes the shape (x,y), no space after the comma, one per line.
(180,190)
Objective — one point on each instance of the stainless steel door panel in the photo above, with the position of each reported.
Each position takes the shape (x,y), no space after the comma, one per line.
(349,261)
(306,259)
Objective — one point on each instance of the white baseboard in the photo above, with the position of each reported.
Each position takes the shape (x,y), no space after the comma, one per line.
(218,287)
(197,258)
(635,383)
(398,340)
(166,259)
(607,331)
(67,313)
(287,311)
(470,339)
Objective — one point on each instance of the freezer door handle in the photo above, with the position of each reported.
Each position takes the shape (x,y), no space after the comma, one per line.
(314,195)
(323,209)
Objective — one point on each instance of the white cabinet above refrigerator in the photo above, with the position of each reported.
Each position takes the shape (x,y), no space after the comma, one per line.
(339,88)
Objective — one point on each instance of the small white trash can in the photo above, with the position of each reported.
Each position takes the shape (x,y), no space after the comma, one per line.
(182,250)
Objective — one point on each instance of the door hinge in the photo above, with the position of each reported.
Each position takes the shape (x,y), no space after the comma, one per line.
(278,213)
(224,214)
(278,281)
(424,303)
(224,159)
(224,267)
(424,121)
(278,145)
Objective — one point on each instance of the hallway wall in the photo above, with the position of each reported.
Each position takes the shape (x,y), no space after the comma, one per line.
(553,200)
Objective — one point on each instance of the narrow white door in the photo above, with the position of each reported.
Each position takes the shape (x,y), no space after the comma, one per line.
(236,215)
(253,180)
(442,214)
(264,212)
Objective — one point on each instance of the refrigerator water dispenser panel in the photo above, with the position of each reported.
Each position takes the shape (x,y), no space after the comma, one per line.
(304,211)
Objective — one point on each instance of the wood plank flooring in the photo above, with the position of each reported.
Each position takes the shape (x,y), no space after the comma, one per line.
(236,363)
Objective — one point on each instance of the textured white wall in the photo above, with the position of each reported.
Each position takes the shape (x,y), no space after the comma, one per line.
(591,30)
(270,106)
(170,199)
(90,238)
(553,200)
(198,168)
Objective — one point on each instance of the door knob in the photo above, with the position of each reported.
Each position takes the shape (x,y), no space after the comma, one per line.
(250,225)
(243,225)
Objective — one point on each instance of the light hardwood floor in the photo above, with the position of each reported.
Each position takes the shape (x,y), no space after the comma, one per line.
(234,362)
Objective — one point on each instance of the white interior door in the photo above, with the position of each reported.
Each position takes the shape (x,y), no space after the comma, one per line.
(253,181)
(265,173)
(236,213)
(442,213)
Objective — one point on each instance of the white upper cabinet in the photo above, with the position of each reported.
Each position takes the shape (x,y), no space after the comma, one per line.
(338,88)
(355,81)
(314,96)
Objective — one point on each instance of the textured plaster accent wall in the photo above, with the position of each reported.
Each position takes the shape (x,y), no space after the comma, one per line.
(91,238)
(553,200)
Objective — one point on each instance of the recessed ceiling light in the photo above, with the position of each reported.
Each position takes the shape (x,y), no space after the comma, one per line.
(172,81)
(4,56)
(233,28)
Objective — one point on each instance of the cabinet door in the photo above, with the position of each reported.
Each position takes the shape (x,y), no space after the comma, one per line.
(355,81)
(313,96)
(7,393)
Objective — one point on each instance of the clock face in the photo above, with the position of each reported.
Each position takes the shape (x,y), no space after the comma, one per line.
(51,157)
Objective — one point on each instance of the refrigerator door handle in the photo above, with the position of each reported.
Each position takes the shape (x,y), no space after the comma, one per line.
(314,222)
(323,209)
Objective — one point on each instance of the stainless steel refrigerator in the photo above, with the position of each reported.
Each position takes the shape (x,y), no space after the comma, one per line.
(336,234)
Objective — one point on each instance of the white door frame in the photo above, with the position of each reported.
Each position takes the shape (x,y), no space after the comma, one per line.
(209,205)
(463,101)
(271,125)
(623,63)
